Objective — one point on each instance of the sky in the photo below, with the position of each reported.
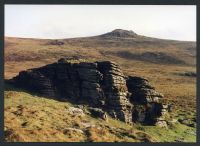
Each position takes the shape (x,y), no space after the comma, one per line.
(177,22)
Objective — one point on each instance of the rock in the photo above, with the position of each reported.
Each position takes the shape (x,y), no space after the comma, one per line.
(101,85)
(147,99)
(115,89)
(96,112)
(174,121)
(179,139)
(87,124)
(187,122)
(170,108)
(164,106)
(188,74)
(72,131)
(161,124)
(120,33)
(76,111)
(141,116)
(55,42)
(191,132)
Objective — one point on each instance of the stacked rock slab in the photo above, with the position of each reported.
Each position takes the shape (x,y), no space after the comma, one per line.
(90,86)
(148,102)
(36,82)
(115,90)
(101,84)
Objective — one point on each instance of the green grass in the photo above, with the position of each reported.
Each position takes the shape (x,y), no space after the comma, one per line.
(173,133)
(33,118)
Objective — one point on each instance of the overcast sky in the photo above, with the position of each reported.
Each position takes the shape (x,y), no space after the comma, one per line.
(68,21)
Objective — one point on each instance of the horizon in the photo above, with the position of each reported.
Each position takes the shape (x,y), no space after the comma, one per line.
(91,36)
(162,22)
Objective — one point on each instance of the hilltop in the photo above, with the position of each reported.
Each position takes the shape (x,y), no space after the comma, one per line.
(120,33)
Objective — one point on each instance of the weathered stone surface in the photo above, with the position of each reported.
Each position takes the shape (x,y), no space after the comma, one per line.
(101,84)
(148,101)
(76,111)
(115,90)
(162,123)
(97,112)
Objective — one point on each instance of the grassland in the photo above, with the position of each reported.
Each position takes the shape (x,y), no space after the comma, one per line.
(31,118)
(46,117)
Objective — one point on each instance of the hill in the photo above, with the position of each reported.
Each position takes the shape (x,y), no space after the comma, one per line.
(164,63)
(118,44)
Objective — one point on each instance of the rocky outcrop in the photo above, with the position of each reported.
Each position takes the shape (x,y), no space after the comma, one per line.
(55,42)
(148,102)
(101,84)
(120,33)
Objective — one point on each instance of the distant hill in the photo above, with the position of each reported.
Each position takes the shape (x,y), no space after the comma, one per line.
(117,44)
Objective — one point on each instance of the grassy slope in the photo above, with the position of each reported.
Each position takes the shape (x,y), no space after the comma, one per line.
(21,54)
(32,118)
